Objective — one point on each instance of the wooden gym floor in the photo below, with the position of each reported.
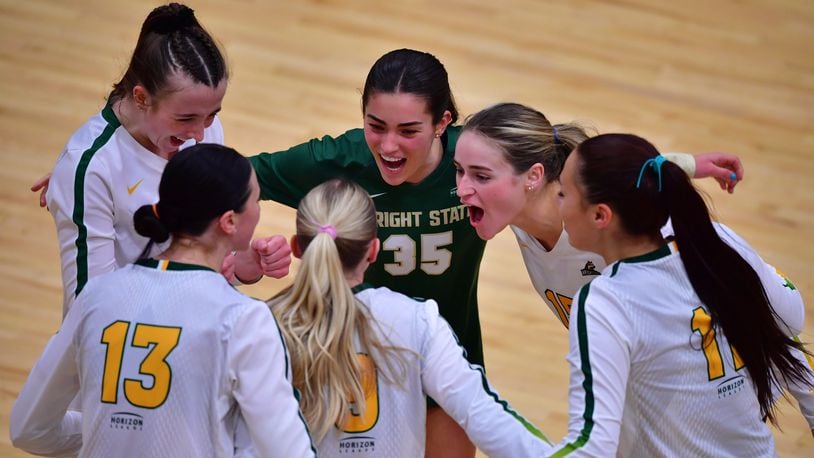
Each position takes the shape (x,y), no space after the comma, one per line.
(689,75)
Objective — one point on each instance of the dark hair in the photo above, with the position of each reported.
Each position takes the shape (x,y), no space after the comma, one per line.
(526,137)
(608,169)
(419,73)
(171,40)
(199,184)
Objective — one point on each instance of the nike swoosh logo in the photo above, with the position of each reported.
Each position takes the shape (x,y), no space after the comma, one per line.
(373,196)
(132,189)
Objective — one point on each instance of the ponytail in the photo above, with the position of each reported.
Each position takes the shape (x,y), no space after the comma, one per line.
(731,290)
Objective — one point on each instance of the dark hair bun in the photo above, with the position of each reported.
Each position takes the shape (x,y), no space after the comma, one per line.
(169,18)
(148,225)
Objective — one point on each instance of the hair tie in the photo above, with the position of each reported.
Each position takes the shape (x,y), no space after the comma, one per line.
(655,164)
(556,135)
(328,229)
(155,211)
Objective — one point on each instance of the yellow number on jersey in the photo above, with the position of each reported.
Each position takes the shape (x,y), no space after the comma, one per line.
(162,339)
(702,324)
(562,304)
(358,421)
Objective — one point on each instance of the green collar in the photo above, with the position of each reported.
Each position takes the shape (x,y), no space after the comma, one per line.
(170,265)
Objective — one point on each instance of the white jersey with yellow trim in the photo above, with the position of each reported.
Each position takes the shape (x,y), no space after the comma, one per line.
(393,424)
(165,358)
(643,383)
(100,179)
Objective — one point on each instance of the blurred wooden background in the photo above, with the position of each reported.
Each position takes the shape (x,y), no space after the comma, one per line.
(689,75)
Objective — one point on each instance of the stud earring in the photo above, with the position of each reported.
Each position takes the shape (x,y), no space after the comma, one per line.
(529,187)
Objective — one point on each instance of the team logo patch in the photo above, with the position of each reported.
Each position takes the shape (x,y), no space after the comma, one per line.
(357,444)
(127,421)
(589,269)
(730,386)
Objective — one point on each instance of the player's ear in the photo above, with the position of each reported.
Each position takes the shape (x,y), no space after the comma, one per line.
(141,96)
(227,222)
(373,250)
(603,215)
(535,176)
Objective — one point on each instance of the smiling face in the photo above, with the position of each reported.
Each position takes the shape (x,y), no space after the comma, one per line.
(402,137)
(182,112)
(487,184)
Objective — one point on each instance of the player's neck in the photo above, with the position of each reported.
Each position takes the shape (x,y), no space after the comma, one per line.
(190,250)
(131,118)
(540,217)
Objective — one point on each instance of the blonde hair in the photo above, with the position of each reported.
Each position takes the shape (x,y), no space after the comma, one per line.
(319,316)
(526,137)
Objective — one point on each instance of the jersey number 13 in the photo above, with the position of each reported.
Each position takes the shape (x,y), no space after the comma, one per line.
(163,340)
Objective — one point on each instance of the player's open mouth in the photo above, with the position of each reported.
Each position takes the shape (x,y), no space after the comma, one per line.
(475,214)
(393,164)
(176,142)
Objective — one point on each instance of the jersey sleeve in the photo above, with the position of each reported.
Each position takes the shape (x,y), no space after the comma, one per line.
(286,176)
(683,160)
(82,208)
(599,359)
(802,393)
(40,420)
(462,390)
(260,373)
(784,297)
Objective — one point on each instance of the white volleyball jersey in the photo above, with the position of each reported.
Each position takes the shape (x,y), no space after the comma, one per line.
(643,384)
(394,422)
(557,274)
(165,357)
(101,178)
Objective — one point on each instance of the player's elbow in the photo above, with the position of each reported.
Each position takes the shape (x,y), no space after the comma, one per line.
(33,441)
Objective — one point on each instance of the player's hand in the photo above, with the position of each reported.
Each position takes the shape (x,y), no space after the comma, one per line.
(273,254)
(228,267)
(724,167)
(42,184)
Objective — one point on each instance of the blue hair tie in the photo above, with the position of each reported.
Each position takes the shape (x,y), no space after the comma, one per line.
(556,136)
(655,164)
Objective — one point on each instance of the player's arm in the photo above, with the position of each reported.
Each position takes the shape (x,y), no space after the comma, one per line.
(804,394)
(84,217)
(40,422)
(286,176)
(599,358)
(260,372)
(725,168)
(465,394)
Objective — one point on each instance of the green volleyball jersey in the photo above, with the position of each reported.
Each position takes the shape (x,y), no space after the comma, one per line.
(429,249)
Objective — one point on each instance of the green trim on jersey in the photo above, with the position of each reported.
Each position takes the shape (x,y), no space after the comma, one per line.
(171,265)
(526,424)
(79,196)
(587,384)
(658,253)
(361,287)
